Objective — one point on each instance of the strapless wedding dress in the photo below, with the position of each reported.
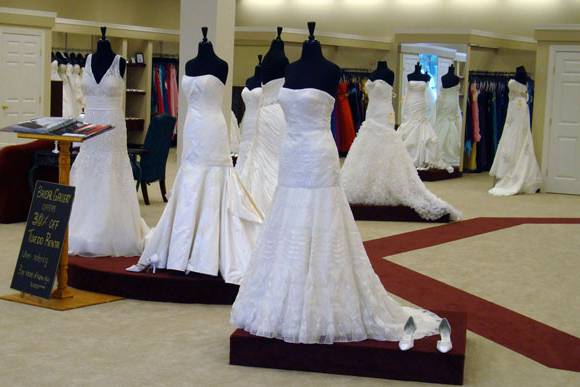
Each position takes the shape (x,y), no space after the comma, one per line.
(378,170)
(310,279)
(448,125)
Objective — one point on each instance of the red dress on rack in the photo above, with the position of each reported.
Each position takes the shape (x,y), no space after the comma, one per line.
(344,120)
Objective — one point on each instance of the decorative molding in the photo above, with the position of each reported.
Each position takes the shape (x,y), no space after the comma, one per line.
(127,27)
(386,40)
(27,12)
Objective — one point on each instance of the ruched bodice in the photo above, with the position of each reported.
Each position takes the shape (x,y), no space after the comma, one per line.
(415,104)
(380,106)
(308,134)
(517,90)
(251,100)
(447,103)
(448,124)
(271,91)
(204,95)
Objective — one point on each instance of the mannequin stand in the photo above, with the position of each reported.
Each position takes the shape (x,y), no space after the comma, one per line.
(433,174)
(370,358)
(391,213)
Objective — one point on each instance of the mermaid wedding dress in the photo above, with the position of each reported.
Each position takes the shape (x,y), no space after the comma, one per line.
(448,124)
(417,132)
(210,223)
(251,100)
(260,173)
(515,165)
(105,219)
(310,279)
(378,170)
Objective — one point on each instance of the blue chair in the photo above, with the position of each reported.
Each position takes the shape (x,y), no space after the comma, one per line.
(148,160)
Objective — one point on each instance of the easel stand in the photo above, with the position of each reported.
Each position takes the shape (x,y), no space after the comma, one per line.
(63,297)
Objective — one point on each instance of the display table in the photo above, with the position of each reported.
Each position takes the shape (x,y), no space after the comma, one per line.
(391,213)
(370,358)
(438,174)
(63,297)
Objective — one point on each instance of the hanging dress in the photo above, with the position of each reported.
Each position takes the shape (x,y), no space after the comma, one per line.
(515,165)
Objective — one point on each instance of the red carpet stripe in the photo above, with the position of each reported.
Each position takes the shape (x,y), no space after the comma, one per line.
(531,338)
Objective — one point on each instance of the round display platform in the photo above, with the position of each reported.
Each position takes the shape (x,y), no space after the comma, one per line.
(108,275)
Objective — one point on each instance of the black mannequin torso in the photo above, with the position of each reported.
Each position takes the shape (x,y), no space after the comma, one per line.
(417,75)
(207,62)
(450,79)
(275,61)
(312,70)
(383,72)
(103,58)
(521,75)
(256,79)
(60,58)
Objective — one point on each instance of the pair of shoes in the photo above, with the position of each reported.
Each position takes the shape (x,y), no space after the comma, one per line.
(444,345)
(139,267)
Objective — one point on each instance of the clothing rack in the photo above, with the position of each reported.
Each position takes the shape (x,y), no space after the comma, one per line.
(72,49)
(166,58)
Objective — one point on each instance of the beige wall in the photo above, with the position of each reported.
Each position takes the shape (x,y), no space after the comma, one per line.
(502,60)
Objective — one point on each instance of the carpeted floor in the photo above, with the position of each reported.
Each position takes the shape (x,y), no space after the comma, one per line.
(528,269)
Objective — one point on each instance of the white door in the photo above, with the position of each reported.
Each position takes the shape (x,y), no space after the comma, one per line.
(563,168)
(21,76)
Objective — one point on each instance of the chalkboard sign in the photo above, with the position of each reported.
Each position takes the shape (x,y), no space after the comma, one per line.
(43,239)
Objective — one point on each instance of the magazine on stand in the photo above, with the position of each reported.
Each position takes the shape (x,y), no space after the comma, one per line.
(58,126)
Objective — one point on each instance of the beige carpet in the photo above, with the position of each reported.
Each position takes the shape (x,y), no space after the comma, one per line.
(531,269)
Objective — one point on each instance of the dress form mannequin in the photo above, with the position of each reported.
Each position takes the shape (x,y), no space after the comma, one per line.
(521,75)
(312,70)
(275,61)
(450,79)
(61,59)
(383,72)
(256,79)
(103,58)
(207,62)
(417,75)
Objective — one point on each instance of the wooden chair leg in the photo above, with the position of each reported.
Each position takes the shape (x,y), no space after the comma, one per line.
(145,194)
(163,190)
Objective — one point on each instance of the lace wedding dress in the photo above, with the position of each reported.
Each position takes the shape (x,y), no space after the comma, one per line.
(448,124)
(310,280)
(260,173)
(251,100)
(378,169)
(105,218)
(515,165)
(210,223)
(417,132)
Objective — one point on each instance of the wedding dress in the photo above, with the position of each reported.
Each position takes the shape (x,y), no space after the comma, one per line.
(105,218)
(448,124)
(378,170)
(54,76)
(260,173)
(234,134)
(251,100)
(310,280)
(417,132)
(515,165)
(210,223)
(68,107)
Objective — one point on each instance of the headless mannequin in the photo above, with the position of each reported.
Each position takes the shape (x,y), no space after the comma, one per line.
(207,62)
(383,72)
(275,61)
(60,58)
(521,75)
(417,75)
(450,79)
(312,70)
(256,79)
(103,58)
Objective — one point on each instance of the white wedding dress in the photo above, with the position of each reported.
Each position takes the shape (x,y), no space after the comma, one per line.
(105,219)
(210,223)
(260,173)
(515,165)
(448,124)
(234,134)
(417,132)
(378,170)
(310,279)
(251,100)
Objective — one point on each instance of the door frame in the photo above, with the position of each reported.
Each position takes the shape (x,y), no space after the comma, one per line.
(554,49)
(43,56)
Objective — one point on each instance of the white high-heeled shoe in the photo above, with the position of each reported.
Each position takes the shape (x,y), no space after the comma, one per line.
(408,341)
(444,345)
(139,267)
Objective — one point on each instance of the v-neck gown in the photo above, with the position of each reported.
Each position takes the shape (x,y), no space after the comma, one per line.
(105,219)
